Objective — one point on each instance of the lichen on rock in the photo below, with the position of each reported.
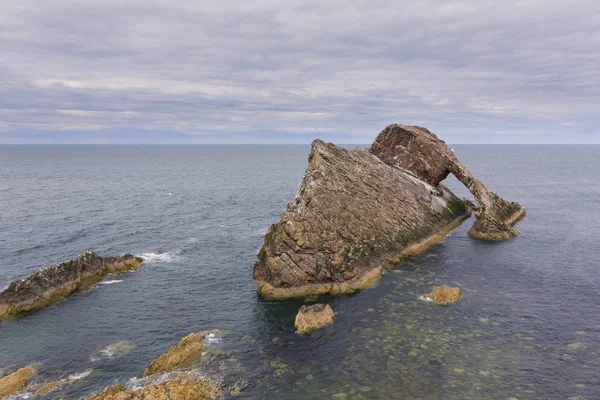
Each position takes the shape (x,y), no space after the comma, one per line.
(444,295)
(49,285)
(311,318)
(182,355)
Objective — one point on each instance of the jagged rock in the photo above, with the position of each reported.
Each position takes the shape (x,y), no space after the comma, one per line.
(422,153)
(182,355)
(444,295)
(352,215)
(16,381)
(49,285)
(311,318)
(180,387)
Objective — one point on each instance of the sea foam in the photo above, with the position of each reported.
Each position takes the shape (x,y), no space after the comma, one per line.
(156,257)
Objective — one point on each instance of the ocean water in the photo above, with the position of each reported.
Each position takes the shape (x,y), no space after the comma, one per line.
(197,214)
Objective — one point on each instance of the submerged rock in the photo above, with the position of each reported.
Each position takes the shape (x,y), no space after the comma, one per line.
(352,215)
(444,295)
(114,350)
(419,151)
(182,355)
(44,389)
(49,285)
(311,318)
(16,381)
(180,387)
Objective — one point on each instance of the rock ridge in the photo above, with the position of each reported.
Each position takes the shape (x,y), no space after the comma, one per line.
(49,285)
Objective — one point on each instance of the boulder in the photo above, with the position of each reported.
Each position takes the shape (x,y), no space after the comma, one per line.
(417,150)
(311,318)
(180,387)
(16,381)
(182,355)
(353,214)
(444,295)
(49,285)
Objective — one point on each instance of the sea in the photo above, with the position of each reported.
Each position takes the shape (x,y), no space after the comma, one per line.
(527,327)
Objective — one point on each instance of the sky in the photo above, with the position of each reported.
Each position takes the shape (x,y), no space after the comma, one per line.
(194,71)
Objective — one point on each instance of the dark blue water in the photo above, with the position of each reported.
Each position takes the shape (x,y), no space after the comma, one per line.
(207,207)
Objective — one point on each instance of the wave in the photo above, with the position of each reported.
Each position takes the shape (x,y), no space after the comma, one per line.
(423,298)
(76,377)
(159,257)
(110,282)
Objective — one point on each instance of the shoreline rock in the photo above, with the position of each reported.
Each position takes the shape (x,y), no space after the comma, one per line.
(181,386)
(423,154)
(16,381)
(181,355)
(352,216)
(311,318)
(50,285)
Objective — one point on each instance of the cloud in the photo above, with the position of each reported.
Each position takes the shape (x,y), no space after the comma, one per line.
(287,71)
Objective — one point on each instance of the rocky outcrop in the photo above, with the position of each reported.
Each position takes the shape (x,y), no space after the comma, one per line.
(311,318)
(180,387)
(423,154)
(47,286)
(444,295)
(352,215)
(16,381)
(182,355)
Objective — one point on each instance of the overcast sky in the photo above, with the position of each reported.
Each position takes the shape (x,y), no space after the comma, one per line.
(179,71)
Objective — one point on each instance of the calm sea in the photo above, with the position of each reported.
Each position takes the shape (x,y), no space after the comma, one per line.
(206,209)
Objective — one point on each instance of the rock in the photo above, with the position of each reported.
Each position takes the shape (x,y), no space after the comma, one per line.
(114,350)
(47,389)
(420,152)
(44,389)
(352,215)
(47,286)
(182,355)
(180,387)
(444,295)
(577,346)
(314,317)
(16,381)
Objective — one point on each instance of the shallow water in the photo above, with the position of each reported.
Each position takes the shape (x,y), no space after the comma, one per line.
(198,214)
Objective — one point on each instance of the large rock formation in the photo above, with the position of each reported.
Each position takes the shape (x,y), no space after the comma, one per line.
(358,210)
(352,215)
(182,355)
(47,286)
(419,151)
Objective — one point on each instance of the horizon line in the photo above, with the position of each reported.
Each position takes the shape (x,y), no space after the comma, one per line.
(280,144)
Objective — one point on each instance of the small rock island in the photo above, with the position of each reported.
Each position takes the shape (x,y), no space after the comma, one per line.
(50,285)
(357,211)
